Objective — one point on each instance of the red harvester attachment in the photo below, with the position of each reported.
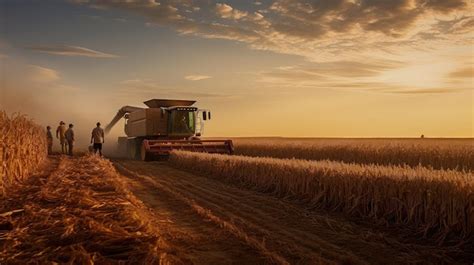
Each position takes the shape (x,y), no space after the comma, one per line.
(153,148)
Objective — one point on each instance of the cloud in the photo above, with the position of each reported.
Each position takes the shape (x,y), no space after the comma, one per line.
(380,87)
(197,77)
(326,71)
(45,79)
(226,11)
(392,18)
(348,44)
(457,30)
(443,5)
(66,50)
(317,30)
(462,25)
(138,82)
(467,72)
(42,74)
(21,79)
(370,76)
(426,91)
(219,31)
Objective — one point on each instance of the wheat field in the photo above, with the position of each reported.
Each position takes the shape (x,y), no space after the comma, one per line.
(434,204)
(437,203)
(23,149)
(433,153)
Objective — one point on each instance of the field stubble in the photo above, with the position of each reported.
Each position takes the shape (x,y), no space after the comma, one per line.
(81,213)
(438,204)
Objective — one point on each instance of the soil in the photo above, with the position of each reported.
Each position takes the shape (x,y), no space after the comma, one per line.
(280,231)
(81,211)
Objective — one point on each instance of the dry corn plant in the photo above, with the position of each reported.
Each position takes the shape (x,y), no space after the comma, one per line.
(433,153)
(23,148)
(437,203)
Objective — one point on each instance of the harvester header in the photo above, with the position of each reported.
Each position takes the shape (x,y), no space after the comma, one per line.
(166,125)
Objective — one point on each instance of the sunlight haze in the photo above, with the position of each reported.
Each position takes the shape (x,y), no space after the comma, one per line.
(265,68)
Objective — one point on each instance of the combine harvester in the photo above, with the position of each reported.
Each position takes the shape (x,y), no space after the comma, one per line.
(164,126)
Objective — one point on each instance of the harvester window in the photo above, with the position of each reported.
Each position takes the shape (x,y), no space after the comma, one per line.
(191,121)
(182,122)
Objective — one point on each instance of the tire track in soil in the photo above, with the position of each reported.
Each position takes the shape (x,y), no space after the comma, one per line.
(196,240)
(298,235)
(252,217)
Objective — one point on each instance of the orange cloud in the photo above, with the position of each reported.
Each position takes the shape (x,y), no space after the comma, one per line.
(42,74)
(318,30)
(467,72)
(197,77)
(226,11)
(66,50)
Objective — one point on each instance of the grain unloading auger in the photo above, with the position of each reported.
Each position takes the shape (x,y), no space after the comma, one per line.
(164,126)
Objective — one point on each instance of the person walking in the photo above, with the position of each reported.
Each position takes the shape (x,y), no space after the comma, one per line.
(61,135)
(98,138)
(69,135)
(49,138)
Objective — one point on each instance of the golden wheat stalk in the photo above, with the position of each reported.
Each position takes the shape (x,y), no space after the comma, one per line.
(434,153)
(437,202)
(23,148)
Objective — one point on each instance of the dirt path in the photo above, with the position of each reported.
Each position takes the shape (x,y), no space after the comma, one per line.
(280,231)
(197,240)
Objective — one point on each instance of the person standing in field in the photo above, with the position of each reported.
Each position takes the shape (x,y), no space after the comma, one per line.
(61,135)
(49,138)
(69,135)
(98,138)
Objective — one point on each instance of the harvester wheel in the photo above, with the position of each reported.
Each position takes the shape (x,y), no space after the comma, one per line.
(144,155)
(132,149)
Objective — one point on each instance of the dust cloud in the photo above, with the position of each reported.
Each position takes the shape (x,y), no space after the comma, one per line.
(36,93)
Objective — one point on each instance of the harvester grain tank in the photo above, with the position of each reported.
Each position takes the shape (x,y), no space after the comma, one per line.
(164,126)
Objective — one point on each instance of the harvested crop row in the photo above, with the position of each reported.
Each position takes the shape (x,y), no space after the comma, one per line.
(81,214)
(438,204)
(432,153)
(23,148)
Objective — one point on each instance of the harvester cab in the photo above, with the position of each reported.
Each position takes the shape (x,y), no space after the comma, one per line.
(164,126)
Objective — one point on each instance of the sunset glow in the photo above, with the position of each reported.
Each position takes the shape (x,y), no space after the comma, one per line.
(345,68)
(236,132)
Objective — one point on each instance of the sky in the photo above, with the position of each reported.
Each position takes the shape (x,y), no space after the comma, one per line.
(294,68)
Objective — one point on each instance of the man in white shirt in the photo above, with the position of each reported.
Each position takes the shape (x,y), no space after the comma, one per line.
(60,134)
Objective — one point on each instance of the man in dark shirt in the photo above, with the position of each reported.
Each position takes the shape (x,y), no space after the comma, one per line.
(70,139)
(98,138)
